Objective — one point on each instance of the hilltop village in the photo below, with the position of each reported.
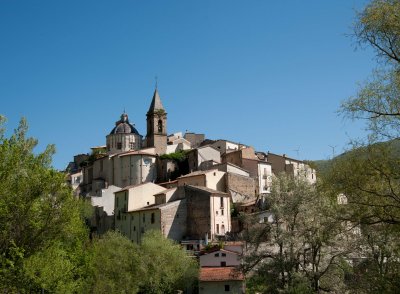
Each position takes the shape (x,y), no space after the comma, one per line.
(188,187)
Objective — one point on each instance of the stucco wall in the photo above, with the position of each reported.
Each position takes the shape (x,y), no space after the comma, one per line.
(143,195)
(134,169)
(235,170)
(215,180)
(141,222)
(132,199)
(215,259)
(208,153)
(220,215)
(264,177)
(219,287)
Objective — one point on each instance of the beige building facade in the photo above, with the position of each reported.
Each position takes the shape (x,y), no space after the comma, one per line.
(132,198)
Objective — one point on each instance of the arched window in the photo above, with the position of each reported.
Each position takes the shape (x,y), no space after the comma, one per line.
(160,126)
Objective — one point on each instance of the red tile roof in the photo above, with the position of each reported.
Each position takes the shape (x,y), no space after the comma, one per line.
(209,274)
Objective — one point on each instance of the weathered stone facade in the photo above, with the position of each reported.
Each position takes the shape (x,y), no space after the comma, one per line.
(157,125)
(244,185)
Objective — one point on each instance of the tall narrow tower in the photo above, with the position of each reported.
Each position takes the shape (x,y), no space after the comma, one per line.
(157,125)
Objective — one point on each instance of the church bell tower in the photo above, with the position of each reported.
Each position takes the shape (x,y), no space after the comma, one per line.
(157,125)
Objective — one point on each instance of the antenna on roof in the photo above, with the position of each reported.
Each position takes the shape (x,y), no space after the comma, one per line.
(124,109)
(333,150)
(297,151)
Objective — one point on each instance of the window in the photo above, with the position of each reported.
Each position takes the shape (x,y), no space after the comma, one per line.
(152,218)
(227,288)
(223,263)
(223,254)
(119,145)
(131,145)
(216,212)
(134,228)
(222,202)
(216,255)
(222,212)
(217,228)
(160,126)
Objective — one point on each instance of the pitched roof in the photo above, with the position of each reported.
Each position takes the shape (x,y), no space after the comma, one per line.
(217,249)
(137,185)
(156,102)
(166,191)
(135,152)
(209,274)
(157,206)
(132,152)
(198,173)
(208,190)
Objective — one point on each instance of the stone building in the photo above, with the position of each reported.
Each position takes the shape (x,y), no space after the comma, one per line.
(157,125)
(194,139)
(247,159)
(127,158)
(123,137)
(291,166)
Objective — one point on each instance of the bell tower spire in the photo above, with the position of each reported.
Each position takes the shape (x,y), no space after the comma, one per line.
(157,125)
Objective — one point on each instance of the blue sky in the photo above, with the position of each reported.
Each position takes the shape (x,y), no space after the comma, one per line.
(270,74)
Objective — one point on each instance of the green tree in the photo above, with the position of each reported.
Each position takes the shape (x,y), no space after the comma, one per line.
(368,175)
(165,266)
(37,213)
(378,100)
(299,251)
(114,265)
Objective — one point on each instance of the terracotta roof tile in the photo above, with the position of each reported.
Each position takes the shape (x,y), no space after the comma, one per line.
(220,274)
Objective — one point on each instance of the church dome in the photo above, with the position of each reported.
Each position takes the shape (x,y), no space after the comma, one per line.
(123,126)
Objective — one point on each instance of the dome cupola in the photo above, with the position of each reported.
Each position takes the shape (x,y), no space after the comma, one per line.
(123,126)
(123,137)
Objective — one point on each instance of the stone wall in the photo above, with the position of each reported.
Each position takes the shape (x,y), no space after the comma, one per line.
(241,184)
(174,220)
(198,204)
